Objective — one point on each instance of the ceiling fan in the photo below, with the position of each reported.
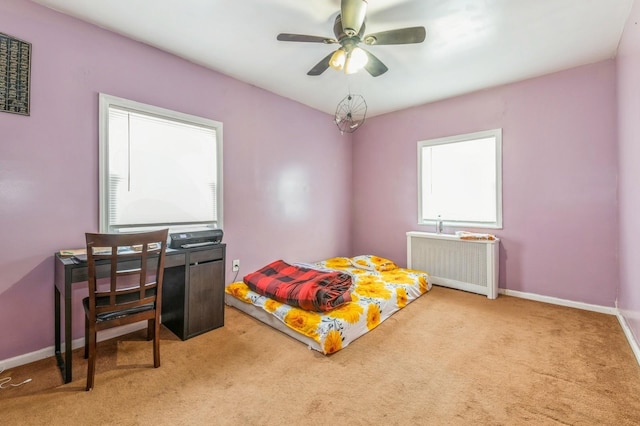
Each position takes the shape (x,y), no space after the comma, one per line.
(349,28)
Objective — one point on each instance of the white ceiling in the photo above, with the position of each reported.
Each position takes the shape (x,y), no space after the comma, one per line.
(470,44)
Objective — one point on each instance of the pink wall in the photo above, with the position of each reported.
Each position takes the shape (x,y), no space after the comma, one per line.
(286,181)
(296,189)
(629,161)
(559,179)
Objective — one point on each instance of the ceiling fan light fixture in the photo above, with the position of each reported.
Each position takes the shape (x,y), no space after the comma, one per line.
(356,60)
(338,59)
(349,28)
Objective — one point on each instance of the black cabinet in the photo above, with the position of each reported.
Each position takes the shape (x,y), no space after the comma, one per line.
(193,291)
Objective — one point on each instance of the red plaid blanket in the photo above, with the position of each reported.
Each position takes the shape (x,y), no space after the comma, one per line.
(305,288)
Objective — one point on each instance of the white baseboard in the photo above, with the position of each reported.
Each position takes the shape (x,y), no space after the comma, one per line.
(586,306)
(629,334)
(561,302)
(77,343)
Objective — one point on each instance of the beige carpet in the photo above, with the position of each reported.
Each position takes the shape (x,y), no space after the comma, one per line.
(448,358)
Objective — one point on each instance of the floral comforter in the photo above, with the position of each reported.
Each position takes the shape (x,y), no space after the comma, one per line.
(379,289)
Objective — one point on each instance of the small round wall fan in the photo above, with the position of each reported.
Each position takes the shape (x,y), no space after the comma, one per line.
(350,113)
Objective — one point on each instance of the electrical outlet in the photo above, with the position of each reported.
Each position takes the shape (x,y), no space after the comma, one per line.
(235,265)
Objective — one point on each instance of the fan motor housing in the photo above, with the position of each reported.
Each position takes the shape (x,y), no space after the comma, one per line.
(340,34)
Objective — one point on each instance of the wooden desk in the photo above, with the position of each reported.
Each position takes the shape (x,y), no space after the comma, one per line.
(192,295)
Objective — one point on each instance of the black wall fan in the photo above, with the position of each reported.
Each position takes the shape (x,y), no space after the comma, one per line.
(349,28)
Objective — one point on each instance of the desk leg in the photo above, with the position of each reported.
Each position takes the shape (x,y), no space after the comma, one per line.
(67,336)
(56,302)
(63,364)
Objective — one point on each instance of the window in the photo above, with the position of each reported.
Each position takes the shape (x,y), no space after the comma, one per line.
(158,168)
(460,180)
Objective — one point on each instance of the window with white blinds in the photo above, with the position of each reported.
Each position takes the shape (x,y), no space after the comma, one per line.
(158,168)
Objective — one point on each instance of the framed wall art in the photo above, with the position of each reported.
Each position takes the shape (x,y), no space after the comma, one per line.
(15,75)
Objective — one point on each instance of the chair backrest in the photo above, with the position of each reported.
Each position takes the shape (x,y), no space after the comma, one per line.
(134,266)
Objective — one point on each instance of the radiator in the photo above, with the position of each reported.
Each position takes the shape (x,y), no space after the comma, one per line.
(469,265)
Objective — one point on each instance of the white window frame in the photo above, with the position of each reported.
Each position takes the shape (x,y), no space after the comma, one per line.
(108,101)
(494,133)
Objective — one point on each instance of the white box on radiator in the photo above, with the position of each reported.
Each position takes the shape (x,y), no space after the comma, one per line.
(469,265)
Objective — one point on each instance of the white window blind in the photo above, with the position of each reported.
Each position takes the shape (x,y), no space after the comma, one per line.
(161,168)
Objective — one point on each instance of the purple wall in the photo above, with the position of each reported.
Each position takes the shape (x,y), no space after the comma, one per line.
(297,190)
(560,231)
(286,181)
(629,161)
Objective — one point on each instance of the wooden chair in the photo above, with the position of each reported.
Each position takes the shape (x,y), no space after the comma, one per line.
(125,286)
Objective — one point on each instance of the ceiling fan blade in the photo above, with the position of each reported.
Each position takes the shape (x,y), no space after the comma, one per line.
(399,36)
(305,38)
(353,13)
(374,66)
(321,66)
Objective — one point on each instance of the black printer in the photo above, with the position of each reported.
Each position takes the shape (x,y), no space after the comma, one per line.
(195,238)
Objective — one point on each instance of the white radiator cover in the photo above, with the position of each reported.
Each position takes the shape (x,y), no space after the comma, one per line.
(470,265)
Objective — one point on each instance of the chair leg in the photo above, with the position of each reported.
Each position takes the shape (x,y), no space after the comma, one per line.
(156,342)
(91,364)
(150,330)
(86,337)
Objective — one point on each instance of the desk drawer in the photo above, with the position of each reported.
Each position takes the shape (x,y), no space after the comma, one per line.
(178,259)
(103,268)
(205,255)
